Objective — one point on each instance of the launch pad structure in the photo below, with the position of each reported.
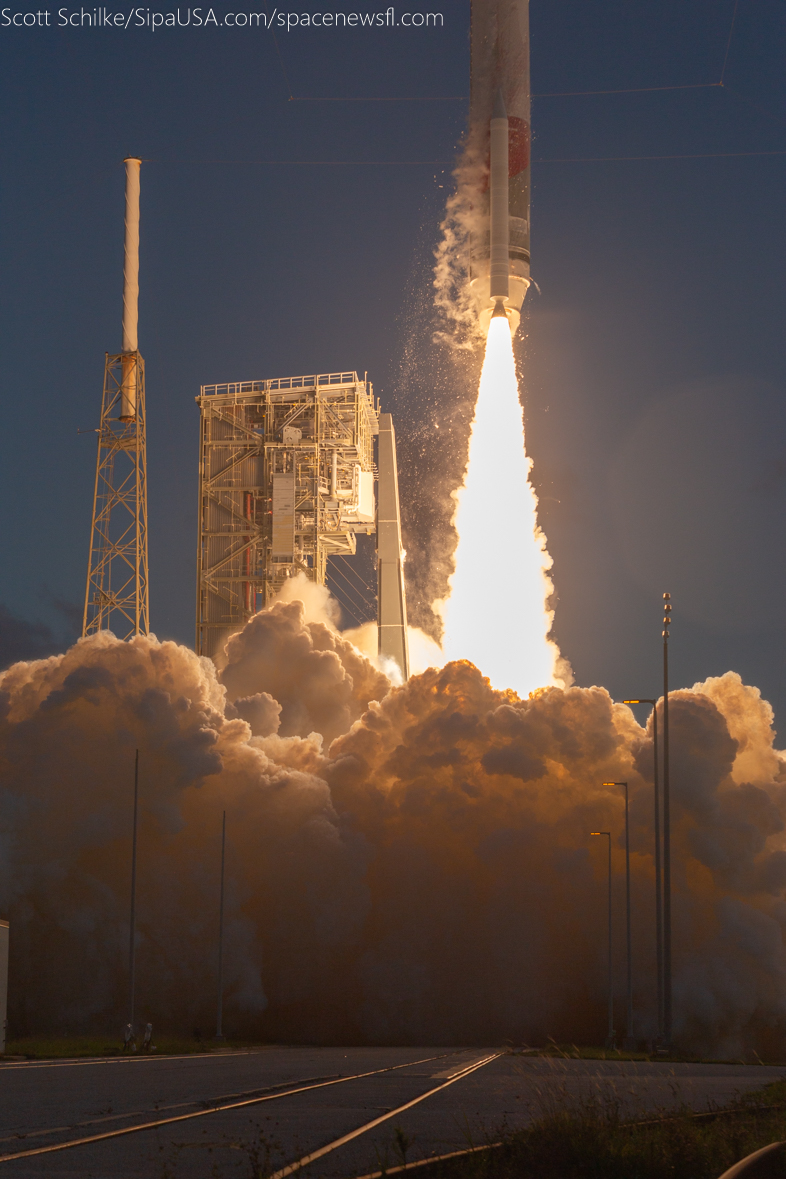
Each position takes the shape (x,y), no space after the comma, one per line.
(286,481)
(287,477)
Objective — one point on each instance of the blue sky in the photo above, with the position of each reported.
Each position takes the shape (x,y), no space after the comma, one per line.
(282,236)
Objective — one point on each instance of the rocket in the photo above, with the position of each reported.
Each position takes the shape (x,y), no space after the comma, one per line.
(499,144)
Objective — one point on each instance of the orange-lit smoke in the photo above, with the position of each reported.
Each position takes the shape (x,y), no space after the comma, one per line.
(427,877)
(496,612)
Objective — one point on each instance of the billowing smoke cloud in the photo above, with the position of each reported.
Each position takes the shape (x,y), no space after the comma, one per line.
(406,864)
(315,680)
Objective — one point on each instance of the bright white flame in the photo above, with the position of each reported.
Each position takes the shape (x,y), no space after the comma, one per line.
(495,614)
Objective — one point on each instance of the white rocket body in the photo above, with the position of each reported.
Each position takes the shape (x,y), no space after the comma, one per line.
(499,137)
(499,216)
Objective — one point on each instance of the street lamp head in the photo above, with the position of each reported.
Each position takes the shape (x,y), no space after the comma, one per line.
(614,783)
(600,833)
(667,597)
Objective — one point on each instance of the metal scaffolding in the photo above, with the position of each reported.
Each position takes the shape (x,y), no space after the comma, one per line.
(286,480)
(116,597)
(116,594)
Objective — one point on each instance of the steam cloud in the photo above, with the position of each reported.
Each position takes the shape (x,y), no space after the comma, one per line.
(452,295)
(438,380)
(406,864)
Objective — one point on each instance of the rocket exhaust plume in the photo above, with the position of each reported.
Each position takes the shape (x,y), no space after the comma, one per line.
(496,613)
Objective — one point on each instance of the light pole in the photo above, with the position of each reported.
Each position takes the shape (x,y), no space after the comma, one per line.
(667,1013)
(658,882)
(610,1037)
(220,1007)
(132,923)
(629,1041)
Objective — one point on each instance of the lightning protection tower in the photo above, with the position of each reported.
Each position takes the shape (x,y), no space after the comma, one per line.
(286,481)
(116,596)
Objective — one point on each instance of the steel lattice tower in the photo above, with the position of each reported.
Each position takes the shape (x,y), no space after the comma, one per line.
(116,595)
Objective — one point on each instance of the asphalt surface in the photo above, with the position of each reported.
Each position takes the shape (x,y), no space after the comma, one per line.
(42,1104)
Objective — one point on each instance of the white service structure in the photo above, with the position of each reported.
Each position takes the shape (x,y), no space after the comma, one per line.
(286,481)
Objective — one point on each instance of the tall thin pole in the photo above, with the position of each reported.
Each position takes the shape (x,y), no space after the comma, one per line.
(667,1010)
(610,968)
(220,1010)
(610,1037)
(629,1036)
(658,881)
(132,935)
(131,256)
(629,1041)
(658,878)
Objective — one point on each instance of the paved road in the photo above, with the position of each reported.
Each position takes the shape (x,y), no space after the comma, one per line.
(41,1104)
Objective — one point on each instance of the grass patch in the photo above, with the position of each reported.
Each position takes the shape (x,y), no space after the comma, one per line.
(590,1052)
(591,1141)
(66,1047)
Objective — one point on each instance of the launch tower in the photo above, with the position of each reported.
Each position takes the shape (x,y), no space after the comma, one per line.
(286,480)
(116,595)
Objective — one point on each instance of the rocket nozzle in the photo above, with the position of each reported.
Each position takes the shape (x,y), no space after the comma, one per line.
(499,310)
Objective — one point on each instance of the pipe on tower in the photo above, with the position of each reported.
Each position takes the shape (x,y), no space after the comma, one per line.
(128,387)
(391,600)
